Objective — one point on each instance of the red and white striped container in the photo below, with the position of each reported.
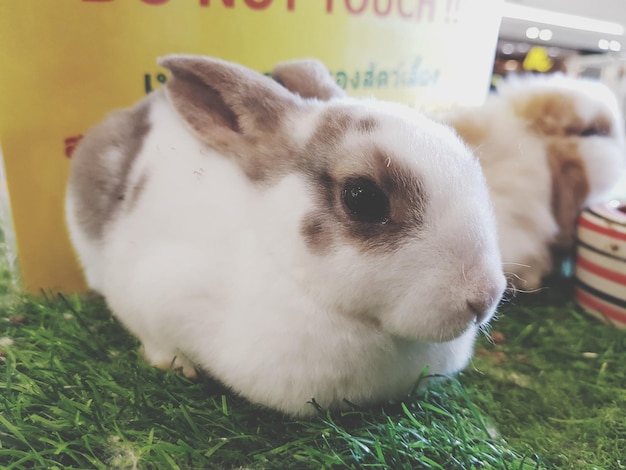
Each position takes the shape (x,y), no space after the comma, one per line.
(601,262)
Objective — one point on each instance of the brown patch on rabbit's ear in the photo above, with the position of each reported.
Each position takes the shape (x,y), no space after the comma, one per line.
(570,188)
(309,78)
(400,202)
(231,108)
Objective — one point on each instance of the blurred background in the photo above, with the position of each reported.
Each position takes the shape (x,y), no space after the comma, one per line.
(584,38)
(577,37)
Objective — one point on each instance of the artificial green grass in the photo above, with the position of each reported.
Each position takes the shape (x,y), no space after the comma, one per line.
(76,394)
(557,383)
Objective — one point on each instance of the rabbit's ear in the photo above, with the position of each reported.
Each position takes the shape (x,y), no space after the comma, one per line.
(230,107)
(309,78)
(570,188)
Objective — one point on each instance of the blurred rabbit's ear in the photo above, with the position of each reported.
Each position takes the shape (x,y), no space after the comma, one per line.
(309,78)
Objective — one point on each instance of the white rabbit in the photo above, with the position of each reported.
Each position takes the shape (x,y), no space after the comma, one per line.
(293,249)
(548,146)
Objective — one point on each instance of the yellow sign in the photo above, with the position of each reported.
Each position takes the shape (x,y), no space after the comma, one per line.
(65,63)
(537,60)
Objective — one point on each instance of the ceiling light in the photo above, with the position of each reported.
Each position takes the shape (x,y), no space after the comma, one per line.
(508,48)
(539,15)
(554,52)
(511,65)
(603,44)
(545,34)
(532,33)
(615,46)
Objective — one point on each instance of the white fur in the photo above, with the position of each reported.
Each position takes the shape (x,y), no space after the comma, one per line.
(212,269)
(515,160)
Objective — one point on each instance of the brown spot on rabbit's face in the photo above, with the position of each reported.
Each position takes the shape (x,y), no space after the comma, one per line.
(366,125)
(334,125)
(317,234)
(332,129)
(364,196)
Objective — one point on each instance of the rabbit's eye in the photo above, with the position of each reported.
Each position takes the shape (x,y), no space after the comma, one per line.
(593,130)
(365,201)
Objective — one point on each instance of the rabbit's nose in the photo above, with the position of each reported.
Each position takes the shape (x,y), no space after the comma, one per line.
(484,304)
